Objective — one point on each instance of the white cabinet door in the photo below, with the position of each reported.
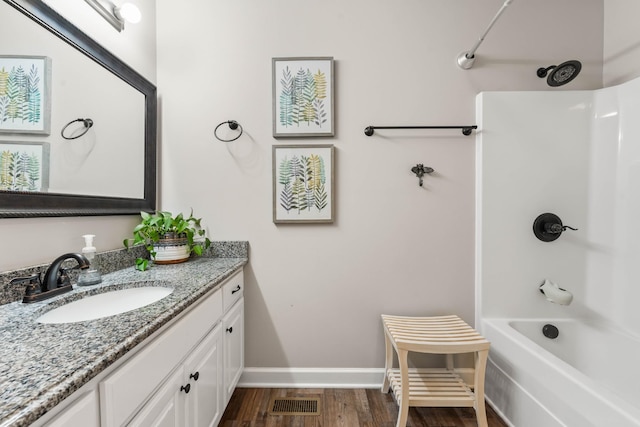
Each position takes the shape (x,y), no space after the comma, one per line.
(203,371)
(192,395)
(233,324)
(166,406)
(82,412)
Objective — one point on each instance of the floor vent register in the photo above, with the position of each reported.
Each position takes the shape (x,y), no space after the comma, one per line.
(294,406)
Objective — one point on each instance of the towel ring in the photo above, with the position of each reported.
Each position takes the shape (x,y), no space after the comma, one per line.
(87,124)
(233,125)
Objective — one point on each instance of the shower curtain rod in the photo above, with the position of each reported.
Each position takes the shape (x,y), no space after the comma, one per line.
(466,59)
(466,130)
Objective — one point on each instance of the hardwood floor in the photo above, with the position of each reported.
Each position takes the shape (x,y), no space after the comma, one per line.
(248,407)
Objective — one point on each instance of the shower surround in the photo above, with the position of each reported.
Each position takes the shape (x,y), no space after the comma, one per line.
(575,154)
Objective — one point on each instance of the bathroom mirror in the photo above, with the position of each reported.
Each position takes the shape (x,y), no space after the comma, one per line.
(121,143)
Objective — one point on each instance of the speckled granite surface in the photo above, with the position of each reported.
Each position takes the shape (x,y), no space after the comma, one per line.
(40,364)
(108,262)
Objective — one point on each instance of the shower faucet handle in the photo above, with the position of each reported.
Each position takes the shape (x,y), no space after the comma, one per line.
(553,228)
(557,228)
(548,227)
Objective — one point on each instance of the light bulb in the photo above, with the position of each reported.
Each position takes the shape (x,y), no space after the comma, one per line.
(128,12)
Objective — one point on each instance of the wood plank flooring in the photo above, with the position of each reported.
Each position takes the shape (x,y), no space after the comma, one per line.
(248,407)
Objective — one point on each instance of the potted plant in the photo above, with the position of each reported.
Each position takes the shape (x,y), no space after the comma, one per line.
(169,239)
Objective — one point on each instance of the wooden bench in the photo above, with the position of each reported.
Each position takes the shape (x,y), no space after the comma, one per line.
(434,387)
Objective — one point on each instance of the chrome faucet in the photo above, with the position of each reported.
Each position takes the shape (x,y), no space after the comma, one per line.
(56,279)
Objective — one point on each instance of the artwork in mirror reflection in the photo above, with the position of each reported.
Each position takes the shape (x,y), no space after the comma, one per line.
(24,166)
(109,159)
(25,94)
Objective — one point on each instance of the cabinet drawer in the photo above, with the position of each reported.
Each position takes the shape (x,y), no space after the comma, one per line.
(232,290)
(123,392)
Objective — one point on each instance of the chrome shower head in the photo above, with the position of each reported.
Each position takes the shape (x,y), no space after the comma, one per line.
(561,74)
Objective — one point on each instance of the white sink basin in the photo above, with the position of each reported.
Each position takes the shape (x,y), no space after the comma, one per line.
(106,304)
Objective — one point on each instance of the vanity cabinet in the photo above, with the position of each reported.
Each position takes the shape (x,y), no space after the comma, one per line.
(178,377)
(124,392)
(183,375)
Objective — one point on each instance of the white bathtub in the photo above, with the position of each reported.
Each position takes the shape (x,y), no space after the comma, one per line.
(588,376)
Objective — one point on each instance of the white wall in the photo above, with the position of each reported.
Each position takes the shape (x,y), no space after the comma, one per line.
(315,292)
(31,241)
(621,41)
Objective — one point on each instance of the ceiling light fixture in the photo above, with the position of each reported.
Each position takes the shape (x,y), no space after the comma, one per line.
(116,15)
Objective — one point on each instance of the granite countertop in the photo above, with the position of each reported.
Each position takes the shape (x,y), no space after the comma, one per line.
(42,364)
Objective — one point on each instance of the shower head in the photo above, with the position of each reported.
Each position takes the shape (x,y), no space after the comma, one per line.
(561,74)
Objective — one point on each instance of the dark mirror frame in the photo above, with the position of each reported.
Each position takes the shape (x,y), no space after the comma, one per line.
(24,204)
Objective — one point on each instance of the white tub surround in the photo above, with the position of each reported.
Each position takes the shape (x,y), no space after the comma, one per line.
(574,154)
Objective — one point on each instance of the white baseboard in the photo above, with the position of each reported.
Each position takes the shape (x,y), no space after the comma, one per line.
(312,378)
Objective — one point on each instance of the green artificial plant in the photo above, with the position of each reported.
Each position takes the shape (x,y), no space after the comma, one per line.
(163,224)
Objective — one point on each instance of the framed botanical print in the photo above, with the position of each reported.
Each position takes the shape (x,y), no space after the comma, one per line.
(303,184)
(303,97)
(25,94)
(24,166)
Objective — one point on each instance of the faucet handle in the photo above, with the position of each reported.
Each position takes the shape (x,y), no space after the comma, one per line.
(63,278)
(33,283)
(29,280)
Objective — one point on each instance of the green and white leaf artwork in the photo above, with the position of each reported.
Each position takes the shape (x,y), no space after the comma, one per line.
(302,179)
(22,97)
(302,97)
(20,170)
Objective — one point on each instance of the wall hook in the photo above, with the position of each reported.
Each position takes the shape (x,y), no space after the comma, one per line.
(420,170)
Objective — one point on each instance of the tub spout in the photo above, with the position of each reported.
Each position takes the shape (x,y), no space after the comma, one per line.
(555,294)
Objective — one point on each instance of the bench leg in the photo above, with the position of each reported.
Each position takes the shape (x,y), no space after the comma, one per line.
(449,362)
(481,364)
(403,412)
(388,362)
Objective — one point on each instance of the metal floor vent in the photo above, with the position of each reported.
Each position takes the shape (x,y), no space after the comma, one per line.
(294,406)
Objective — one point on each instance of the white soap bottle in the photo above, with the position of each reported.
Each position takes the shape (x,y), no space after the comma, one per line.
(91,275)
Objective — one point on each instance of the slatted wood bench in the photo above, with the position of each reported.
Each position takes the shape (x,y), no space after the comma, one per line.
(434,387)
